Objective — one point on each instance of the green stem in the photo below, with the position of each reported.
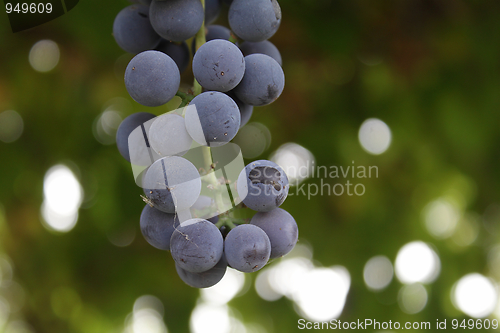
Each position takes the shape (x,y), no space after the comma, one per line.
(212,180)
(186,98)
(224,219)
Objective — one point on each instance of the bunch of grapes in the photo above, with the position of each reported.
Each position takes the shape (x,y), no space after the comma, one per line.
(192,175)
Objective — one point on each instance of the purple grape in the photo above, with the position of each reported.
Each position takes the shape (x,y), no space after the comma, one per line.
(262,185)
(281,229)
(176,20)
(133,31)
(218,65)
(204,279)
(255,20)
(157,227)
(126,127)
(215,119)
(152,78)
(247,248)
(263,81)
(265,47)
(196,245)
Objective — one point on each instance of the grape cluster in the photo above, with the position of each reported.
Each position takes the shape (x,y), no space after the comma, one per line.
(192,175)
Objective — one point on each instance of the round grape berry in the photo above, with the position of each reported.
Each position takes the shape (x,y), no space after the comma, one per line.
(172,184)
(218,65)
(212,119)
(262,185)
(204,279)
(133,31)
(247,248)
(157,227)
(263,81)
(255,20)
(152,78)
(126,127)
(281,229)
(176,20)
(196,245)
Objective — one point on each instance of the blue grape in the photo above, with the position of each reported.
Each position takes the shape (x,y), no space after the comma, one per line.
(157,227)
(133,31)
(179,52)
(246,110)
(281,229)
(265,47)
(176,20)
(263,81)
(172,184)
(215,31)
(204,279)
(215,119)
(255,20)
(126,127)
(212,32)
(212,10)
(262,185)
(152,78)
(196,245)
(218,65)
(247,248)
(168,135)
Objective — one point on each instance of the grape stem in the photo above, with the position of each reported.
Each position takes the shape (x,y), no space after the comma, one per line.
(224,218)
(186,98)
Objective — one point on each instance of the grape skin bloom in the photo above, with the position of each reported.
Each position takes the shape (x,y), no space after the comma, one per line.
(196,245)
(157,227)
(255,20)
(265,47)
(263,81)
(133,31)
(214,120)
(204,279)
(152,78)
(247,248)
(176,20)
(281,229)
(246,110)
(218,65)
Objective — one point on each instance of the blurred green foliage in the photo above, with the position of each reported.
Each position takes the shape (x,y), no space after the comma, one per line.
(428,68)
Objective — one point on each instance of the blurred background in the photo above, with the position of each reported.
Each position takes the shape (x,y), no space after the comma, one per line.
(406,89)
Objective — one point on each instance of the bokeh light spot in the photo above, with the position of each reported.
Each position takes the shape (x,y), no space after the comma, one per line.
(295,160)
(417,262)
(253,139)
(44,56)
(374,136)
(62,198)
(475,295)
(11,126)
(441,218)
(378,272)
(412,298)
